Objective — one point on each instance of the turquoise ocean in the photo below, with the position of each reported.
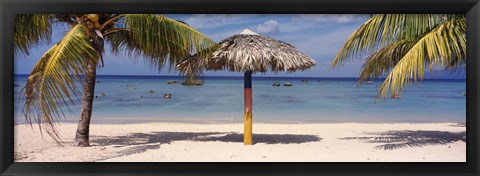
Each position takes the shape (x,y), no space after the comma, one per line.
(125,99)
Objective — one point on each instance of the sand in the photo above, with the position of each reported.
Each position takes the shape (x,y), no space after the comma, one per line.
(185,142)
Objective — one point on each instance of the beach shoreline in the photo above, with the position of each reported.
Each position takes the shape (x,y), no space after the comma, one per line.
(197,120)
(191,142)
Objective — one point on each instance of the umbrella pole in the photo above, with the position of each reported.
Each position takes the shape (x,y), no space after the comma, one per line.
(247,133)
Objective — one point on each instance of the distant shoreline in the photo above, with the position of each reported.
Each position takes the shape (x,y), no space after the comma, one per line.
(203,121)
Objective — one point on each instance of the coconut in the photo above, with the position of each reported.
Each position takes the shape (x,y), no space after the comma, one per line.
(89,25)
(97,25)
(93,17)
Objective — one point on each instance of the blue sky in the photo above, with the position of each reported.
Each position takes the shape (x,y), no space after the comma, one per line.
(318,35)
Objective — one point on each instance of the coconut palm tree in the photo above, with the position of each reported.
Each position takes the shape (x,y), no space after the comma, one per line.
(402,45)
(52,82)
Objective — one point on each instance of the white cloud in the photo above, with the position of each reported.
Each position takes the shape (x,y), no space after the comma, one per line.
(330,18)
(321,43)
(269,27)
(222,35)
(210,21)
(200,21)
(306,22)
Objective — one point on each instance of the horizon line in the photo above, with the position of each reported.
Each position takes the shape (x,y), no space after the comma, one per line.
(265,77)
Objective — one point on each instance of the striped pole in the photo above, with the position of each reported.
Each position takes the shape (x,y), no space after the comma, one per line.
(247,130)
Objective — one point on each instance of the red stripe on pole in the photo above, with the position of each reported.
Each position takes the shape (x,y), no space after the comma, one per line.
(248,99)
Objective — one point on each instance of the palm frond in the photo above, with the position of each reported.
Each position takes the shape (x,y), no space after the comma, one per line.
(385,29)
(195,64)
(30,29)
(442,46)
(50,85)
(383,60)
(192,66)
(158,39)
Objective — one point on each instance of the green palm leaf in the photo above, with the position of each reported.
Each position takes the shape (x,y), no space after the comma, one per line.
(385,29)
(158,39)
(50,84)
(383,60)
(30,29)
(444,45)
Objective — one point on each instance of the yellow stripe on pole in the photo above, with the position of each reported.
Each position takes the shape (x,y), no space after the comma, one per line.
(247,129)
(247,136)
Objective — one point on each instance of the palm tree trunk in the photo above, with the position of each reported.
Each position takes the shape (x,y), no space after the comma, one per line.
(247,129)
(82,136)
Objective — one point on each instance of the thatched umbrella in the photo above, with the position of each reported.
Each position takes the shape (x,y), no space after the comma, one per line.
(250,52)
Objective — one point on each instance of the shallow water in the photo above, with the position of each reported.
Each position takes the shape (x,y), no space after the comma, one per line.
(220,99)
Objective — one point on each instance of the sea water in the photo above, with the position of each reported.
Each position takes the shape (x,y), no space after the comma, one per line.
(126,99)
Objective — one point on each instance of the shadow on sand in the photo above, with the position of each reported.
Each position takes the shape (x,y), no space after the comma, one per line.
(140,142)
(401,139)
(264,138)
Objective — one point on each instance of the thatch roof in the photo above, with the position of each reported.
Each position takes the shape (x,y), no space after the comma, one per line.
(249,51)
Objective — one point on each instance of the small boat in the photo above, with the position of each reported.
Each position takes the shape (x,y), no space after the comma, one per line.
(287,84)
(368,82)
(173,82)
(167,95)
(276,84)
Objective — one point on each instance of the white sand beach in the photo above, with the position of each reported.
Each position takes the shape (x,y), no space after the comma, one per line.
(185,142)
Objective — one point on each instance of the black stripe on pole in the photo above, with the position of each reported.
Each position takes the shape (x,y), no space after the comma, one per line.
(248,79)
